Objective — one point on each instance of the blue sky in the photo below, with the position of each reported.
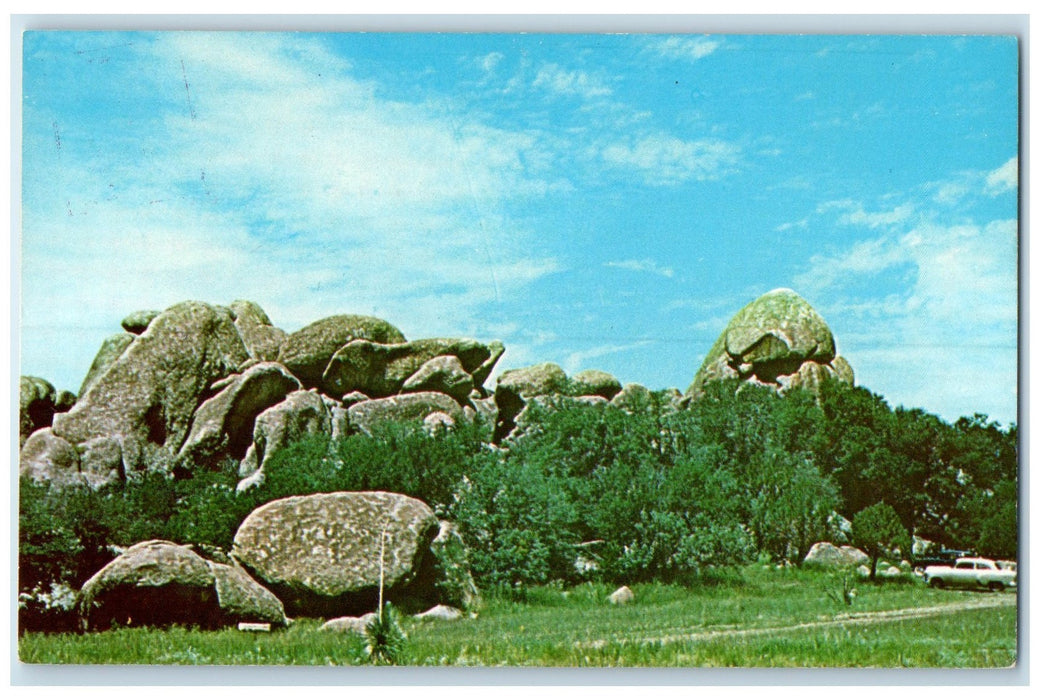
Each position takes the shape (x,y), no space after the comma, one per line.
(599,201)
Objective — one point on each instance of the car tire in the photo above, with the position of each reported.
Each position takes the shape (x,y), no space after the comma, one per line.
(937,583)
(996,586)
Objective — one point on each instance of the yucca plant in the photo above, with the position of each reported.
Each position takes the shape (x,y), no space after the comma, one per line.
(385,637)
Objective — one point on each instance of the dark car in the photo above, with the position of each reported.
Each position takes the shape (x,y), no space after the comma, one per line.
(941,557)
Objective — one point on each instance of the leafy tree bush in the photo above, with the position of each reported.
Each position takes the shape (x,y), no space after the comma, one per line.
(878,531)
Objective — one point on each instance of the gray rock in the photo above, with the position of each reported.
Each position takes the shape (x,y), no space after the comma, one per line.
(451,571)
(516,386)
(444,374)
(152,390)
(244,600)
(36,406)
(826,555)
(137,322)
(353,625)
(262,340)
(45,457)
(632,397)
(380,369)
(593,382)
(481,373)
(365,417)
(768,342)
(440,612)
(307,351)
(301,413)
(162,583)
(437,422)
(320,554)
(622,596)
(224,424)
(112,348)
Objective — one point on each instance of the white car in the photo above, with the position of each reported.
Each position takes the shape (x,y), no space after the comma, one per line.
(972,572)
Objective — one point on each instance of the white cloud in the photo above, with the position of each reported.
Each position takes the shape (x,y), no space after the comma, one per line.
(576,361)
(1004,178)
(688,48)
(571,83)
(954,323)
(667,160)
(852,213)
(645,265)
(491,60)
(293,184)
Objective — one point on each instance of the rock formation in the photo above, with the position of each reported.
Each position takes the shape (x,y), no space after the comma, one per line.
(320,554)
(778,340)
(198,383)
(162,583)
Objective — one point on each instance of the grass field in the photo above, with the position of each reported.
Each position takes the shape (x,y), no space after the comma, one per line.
(755,618)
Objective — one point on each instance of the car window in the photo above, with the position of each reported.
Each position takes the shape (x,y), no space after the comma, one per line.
(964,565)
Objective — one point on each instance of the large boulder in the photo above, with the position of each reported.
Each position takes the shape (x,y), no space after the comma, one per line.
(516,386)
(36,406)
(301,413)
(593,382)
(828,556)
(112,348)
(150,393)
(263,341)
(162,583)
(777,340)
(321,554)
(451,572)
(381,369)
(137,322)
(45,457)
(224,424)
(367,416)
(307,351)
(444,374)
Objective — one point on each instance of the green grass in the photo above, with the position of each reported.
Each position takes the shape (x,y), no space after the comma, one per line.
(740,619)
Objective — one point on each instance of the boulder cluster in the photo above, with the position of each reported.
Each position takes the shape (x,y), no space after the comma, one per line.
(198,383)
(777,340)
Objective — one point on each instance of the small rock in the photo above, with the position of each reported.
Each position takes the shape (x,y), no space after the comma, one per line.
(254,626)
(356,625)
(440,612)
(622,596)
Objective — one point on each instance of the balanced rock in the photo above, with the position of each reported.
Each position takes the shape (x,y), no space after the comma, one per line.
(307,351)
(324,555)
(777,340)
(162,583)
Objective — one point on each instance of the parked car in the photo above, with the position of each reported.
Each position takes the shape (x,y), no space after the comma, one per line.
(941,557)
(971,572)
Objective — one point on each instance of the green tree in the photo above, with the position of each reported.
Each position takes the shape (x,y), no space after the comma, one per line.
(878,531)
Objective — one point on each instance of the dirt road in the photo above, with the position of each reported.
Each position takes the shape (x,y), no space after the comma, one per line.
(852,618)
